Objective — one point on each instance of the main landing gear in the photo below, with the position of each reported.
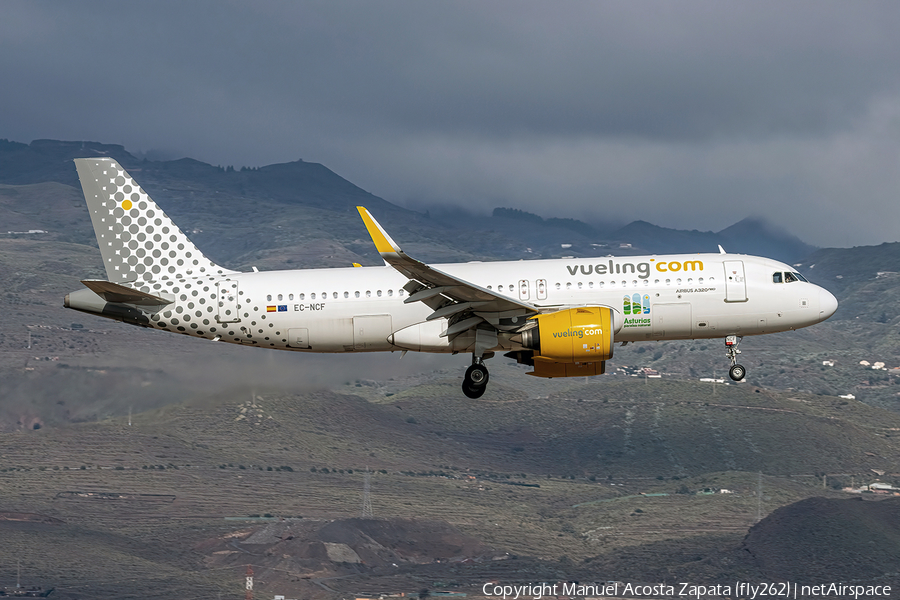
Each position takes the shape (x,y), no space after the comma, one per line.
(736,372)
(476,378)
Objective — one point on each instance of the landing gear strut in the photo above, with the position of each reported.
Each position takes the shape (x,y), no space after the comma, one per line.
(736,372)
(476,378)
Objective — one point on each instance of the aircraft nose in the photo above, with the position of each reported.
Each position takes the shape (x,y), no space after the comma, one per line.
(827,304)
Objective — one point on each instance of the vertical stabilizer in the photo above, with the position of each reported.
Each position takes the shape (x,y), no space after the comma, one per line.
(138,242)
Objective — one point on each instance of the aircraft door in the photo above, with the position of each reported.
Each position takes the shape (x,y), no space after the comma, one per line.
(735,284)
(227,295)
(523,289)
(541,285)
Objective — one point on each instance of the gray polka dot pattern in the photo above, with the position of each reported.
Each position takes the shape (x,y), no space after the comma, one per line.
(138,242)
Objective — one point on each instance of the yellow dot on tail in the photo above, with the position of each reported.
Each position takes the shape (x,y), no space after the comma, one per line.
(126,205)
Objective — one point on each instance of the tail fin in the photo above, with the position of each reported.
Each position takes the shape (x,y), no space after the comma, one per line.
(138,242)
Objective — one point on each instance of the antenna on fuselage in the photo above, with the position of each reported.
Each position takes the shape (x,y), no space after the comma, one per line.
(722,250)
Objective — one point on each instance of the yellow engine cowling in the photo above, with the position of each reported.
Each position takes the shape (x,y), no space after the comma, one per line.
(571,343)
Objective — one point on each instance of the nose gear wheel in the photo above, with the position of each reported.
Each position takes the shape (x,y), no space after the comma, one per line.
(736,372)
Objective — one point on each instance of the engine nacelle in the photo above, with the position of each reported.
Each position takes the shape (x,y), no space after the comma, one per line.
(572,342)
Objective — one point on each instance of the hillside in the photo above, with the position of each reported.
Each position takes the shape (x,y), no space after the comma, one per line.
(536,478)
(825,539)
(302,214)
(138,464)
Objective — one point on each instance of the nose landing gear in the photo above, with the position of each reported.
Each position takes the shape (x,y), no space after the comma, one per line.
(736,372)
(476,379)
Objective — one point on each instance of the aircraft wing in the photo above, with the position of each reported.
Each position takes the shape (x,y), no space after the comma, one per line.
(465,304)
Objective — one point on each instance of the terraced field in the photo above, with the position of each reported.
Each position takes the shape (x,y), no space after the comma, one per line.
(583,473)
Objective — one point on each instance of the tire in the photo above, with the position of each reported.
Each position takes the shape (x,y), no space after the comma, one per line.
(477,376)
(473,392)
(737,372)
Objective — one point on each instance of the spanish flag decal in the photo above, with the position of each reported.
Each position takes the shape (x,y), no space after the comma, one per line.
(271,309)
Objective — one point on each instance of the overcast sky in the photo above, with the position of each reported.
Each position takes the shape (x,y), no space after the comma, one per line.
(685,114)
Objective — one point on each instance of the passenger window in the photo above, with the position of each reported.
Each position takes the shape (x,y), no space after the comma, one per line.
(390,292)
(302,296)
(569,285)
(356,294)
(490,288)
(700,281)
(776,278)
(290,296)
(558,285)
(334,295)
(678,281)
(668,282)
(511,287)
(602,284)
(312,296)
(368,293)
(279,297)
(656,282)
(400,292)
(378,293)
(269,298)
(346,294)
(590,284)
(580,285)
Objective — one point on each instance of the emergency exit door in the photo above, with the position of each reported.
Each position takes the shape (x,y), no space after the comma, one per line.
(735,284)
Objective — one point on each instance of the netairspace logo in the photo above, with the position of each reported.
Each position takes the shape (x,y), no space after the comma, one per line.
(741,589)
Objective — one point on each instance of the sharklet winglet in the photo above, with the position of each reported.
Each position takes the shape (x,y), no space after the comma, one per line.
(383,242)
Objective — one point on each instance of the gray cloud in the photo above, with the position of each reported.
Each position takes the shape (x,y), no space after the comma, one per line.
(686,114)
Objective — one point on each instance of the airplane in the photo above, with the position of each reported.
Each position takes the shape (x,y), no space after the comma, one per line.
(559,316)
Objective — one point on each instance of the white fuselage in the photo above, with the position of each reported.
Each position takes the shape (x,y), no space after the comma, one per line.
(362,309)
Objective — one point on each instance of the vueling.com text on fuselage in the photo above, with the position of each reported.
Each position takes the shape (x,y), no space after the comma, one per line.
(642,270)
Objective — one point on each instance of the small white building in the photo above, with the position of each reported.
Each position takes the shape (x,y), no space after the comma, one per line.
(865,363)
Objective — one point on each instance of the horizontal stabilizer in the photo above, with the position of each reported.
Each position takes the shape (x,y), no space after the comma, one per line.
(113,292)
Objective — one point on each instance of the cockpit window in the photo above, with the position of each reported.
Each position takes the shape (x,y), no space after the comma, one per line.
(790,277)
(776,278)
(800,277)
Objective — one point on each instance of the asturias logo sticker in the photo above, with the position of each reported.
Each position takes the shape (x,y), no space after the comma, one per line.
(636,305)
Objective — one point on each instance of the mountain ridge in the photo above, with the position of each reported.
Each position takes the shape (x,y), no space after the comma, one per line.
(309,204)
